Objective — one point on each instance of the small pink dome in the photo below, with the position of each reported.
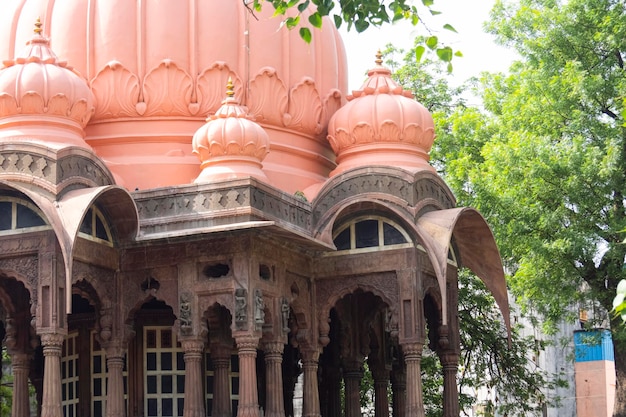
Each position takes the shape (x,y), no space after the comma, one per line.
(37,83)
(381,124)
(230,145)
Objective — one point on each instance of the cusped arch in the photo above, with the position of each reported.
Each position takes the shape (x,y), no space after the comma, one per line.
(351,288)
(12,288)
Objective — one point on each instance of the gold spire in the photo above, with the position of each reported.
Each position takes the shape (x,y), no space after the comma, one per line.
(38,28)
(230,88)
(379,58)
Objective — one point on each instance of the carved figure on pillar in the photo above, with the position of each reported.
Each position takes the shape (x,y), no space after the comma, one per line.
(284,313)
(259,309)
(241,308)
(185,314)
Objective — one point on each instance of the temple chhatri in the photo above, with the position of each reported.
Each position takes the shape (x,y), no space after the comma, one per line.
(196,218)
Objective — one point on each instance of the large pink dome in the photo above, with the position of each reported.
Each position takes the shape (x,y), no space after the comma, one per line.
(158,69)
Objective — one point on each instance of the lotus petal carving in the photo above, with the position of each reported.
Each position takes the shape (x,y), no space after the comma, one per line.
(116,90)
(211,85)
(167,90)
(268,97)
(305,107)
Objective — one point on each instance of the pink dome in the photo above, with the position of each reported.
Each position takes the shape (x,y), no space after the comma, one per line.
(157,69)
(230,145)
(43,97)
(381,125)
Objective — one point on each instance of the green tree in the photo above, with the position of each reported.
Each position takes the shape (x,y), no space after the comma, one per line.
(545,161)
(361,15)
(487,358)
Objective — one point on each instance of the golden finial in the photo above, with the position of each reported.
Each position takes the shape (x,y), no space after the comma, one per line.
(38,28)
(230,88)
(379,58)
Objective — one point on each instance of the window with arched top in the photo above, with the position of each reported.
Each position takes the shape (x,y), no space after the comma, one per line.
(19,216)
(368,233)
(95,227)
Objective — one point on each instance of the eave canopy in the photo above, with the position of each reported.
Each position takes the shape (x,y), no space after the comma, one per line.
(475,245)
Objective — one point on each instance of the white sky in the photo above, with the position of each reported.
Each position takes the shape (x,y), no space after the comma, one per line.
(480,53)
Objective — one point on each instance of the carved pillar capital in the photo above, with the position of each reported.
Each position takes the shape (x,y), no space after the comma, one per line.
(52,342)
(246,341)
(273,348)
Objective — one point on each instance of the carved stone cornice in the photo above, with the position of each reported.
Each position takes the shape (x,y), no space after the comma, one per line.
(210,205)
(54,171)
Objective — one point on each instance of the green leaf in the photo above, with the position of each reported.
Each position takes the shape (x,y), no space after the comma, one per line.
(621,287)
(419,51)
(316,20)
(428,3)
(459,54)
(361,25)
(435,12)
(305,33)
(292,22)
(431,42)
(449,27)
(302,6)
(449,68)
(445,54)
(338,21)
(618,300)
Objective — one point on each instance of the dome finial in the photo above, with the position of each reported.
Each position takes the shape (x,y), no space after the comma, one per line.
(379,58)
(38,28)
(230,88)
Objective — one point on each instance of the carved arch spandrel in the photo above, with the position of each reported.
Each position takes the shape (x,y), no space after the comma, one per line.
(116,90)
(167,90)
(268,97)
(211,87)
(98,284)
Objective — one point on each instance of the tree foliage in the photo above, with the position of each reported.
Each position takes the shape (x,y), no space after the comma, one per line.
(488,362)
(362,15)
(545,160)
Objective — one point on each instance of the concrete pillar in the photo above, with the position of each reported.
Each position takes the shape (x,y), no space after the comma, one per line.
(194,394)
(51,400)
(248,395)
(275,404)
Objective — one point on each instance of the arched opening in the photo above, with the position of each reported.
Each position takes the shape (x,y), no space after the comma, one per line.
(358,357)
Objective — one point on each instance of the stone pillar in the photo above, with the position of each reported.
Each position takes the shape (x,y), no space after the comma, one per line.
(275,403)
(51,400)
(115,404)
(450,363)
(194,394)
(381,384)
(311,397)
(222,405)
(332,384)
(398,391)
(20,363)
(352,375)
(414,398)
(248,394)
